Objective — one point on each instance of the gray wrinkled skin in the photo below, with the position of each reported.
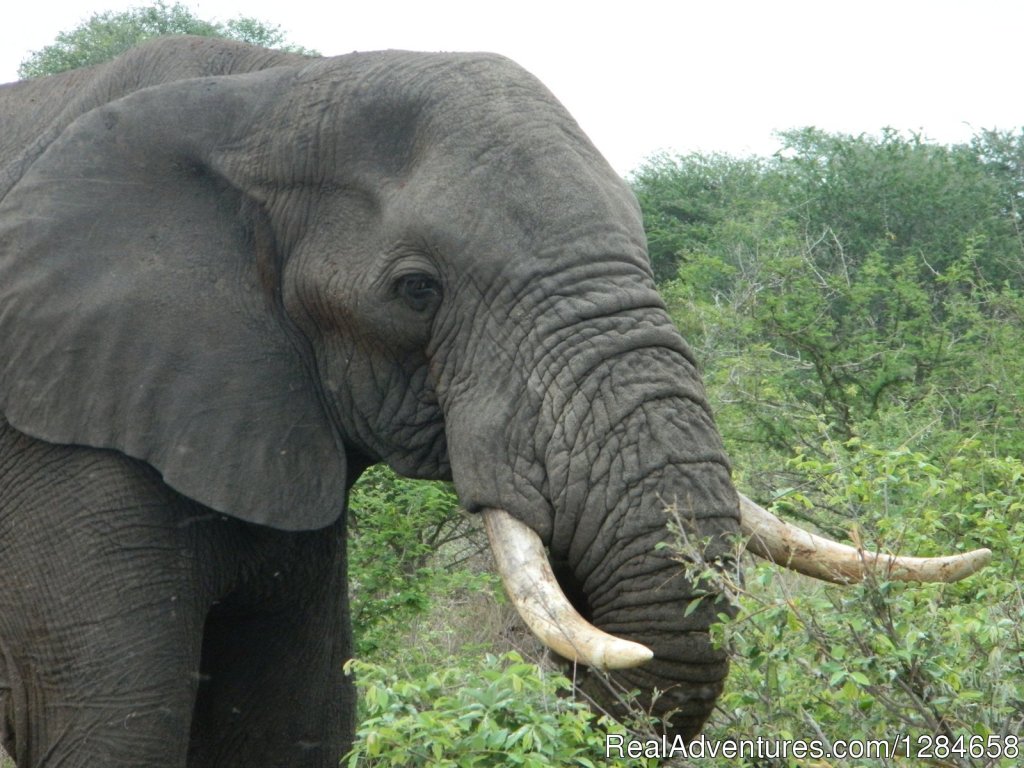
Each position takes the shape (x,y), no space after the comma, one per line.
(231,279)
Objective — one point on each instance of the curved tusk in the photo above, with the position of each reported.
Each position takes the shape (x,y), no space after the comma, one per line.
(785,544)
(533,589)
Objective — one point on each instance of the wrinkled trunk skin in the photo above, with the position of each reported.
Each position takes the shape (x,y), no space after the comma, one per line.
(637,593)
(646,442)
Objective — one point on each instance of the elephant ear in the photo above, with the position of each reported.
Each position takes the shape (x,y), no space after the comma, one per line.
(139,308)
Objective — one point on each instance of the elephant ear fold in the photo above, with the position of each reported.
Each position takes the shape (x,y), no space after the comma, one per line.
(139,308)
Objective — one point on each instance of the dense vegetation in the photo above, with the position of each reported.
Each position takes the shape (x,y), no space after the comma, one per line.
(857,304)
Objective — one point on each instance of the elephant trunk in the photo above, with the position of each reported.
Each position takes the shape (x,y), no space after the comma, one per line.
(634,450)
(640,592)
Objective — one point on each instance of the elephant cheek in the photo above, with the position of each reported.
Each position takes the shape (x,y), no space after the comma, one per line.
(492,465)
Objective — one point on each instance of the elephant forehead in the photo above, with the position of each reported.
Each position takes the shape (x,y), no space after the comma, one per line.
(465,112)
(517,198)
(390,105)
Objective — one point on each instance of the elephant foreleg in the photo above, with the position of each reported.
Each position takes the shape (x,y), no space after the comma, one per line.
(101,611)
(273,690)
(101,607)
(138,628)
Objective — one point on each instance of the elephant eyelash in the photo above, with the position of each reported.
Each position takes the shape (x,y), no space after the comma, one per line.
(418,290)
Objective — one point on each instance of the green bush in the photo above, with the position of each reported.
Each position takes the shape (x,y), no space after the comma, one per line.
(882,658)
(410,550)
(108,34)
(490,713)
(856,279)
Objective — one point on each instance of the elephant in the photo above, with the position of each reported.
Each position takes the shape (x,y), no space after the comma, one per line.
(231,279)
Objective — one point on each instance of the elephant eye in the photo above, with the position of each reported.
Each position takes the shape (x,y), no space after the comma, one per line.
(419,291)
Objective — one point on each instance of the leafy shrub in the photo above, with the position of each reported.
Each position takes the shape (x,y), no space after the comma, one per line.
(108,34)
(409,550)
(882,658)
(492,714)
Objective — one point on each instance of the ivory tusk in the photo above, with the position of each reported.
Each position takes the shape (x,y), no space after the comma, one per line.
(790,546)
(534,591)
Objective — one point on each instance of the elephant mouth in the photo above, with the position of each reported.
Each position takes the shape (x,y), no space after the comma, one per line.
(540,601)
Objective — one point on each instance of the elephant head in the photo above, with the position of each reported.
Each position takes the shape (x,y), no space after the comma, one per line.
(260,282)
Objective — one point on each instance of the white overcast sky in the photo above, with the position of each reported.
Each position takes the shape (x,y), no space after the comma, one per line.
(640,76)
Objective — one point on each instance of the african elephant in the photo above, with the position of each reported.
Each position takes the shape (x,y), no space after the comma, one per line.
(230,280)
